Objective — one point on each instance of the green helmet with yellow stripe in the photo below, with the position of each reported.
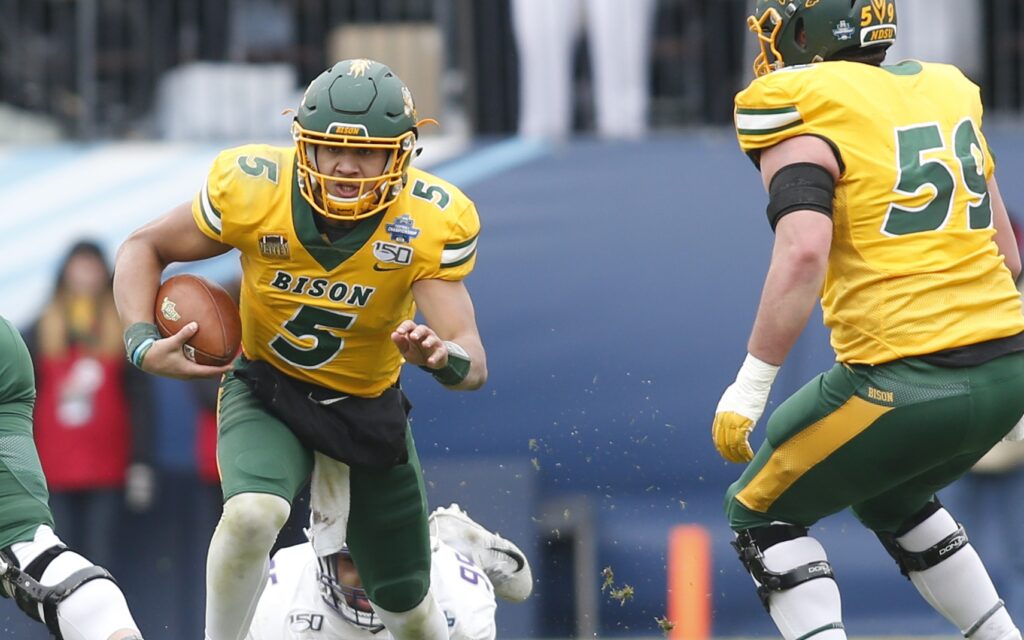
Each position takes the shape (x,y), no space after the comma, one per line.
(356,104)
(793,32)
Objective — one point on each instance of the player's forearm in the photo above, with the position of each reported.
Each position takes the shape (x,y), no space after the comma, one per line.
(477,375)
(1005,238)
(790,292)
(137,270)
(448,311)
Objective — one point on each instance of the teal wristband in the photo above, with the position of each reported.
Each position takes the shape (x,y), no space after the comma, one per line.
(138,338)
(457,368)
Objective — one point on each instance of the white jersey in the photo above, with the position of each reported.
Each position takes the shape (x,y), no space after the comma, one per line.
(291,607)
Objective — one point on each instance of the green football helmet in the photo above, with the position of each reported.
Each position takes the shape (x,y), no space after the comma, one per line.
(793,32)
(356,104)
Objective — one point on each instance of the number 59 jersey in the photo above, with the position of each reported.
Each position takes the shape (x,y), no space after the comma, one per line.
(913,268)
(320,310)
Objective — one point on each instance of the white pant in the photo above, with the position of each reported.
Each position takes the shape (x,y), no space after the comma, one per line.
(619,35)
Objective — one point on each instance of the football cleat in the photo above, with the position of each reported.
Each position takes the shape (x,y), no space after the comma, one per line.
(503,562)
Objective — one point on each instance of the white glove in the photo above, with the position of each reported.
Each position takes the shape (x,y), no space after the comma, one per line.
(741,407)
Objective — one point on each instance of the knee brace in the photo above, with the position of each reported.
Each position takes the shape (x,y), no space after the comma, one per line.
(39,601)
(947,572)
(751,544)
(908,561)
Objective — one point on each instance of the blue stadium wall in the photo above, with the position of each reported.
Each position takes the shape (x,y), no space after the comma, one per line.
(615,288)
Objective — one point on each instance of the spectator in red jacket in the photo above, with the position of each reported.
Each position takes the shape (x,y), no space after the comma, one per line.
(92,422)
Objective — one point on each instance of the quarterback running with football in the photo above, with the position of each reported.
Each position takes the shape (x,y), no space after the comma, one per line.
(341,243)
(52,584)
(884,204)
(311,597)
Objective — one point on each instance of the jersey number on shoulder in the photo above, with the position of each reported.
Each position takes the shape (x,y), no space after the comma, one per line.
(917,174)
(430,193)
(312,322)
(258,167)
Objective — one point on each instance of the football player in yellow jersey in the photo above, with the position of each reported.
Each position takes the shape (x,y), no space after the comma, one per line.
(884,204)
(341,242)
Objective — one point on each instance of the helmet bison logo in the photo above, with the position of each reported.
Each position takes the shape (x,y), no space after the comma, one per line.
(410,106)
(359,67)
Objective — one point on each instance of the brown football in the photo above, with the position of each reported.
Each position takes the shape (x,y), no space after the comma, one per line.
(186,298)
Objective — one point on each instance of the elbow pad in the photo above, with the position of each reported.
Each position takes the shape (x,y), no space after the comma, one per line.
(803,186)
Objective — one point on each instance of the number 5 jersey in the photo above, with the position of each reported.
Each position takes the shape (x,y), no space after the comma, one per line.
(321,310)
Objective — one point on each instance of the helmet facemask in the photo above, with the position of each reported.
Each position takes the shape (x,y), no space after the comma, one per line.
(350,602)
(375,193)
(767,29)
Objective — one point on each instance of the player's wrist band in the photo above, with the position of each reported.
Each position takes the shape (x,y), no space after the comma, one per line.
(457,368)
(138,338)
(756,374)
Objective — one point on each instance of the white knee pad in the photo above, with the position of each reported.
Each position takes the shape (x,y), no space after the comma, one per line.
(237,563)
(939,560)
(254,519)
(26,552)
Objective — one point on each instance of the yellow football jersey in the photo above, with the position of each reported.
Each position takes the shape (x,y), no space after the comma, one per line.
(323,311)
(913,268)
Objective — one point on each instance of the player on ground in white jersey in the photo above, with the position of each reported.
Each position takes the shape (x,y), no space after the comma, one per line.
(309,598)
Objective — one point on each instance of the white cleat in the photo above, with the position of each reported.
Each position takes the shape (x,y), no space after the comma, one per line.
(503,562)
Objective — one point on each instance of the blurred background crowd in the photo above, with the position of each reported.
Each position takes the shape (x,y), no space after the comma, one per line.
(595,137)
(190,69)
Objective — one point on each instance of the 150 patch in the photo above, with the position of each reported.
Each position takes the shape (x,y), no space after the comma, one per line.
(392,253)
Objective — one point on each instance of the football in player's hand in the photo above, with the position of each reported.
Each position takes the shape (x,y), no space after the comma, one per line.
(186,298)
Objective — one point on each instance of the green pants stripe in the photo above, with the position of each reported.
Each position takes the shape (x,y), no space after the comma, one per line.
(882,440)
